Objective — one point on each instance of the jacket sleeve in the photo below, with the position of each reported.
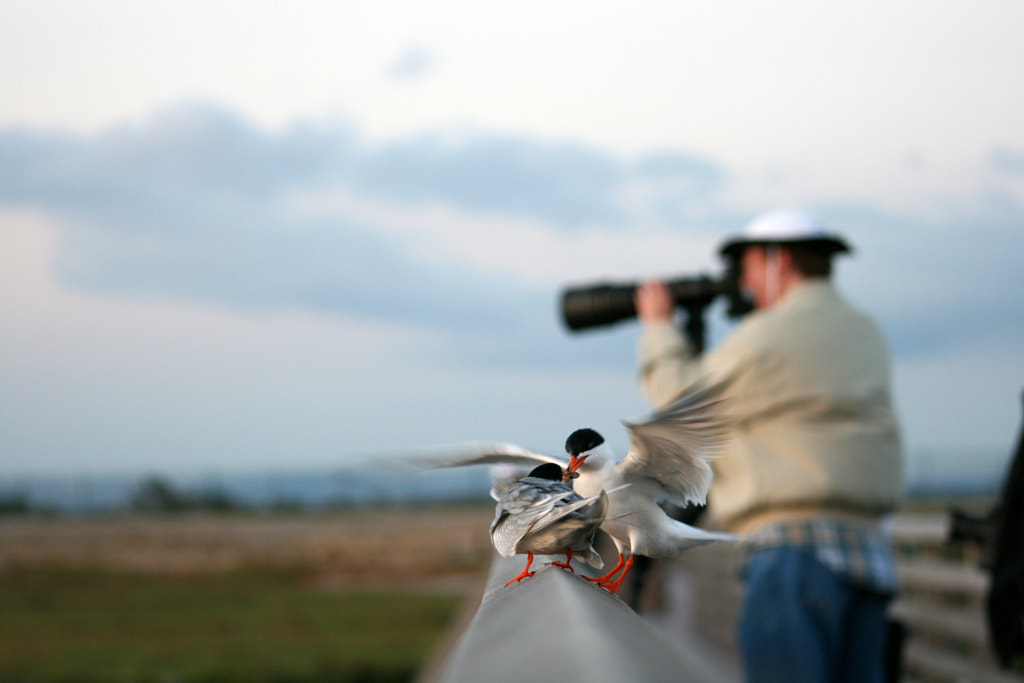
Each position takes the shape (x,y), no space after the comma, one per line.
(667,363)
(668,367)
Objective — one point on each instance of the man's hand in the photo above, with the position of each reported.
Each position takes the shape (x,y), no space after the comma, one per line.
(654,302)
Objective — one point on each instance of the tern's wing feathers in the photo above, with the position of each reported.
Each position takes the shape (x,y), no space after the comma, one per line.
(484,453)
(669,452)
(528,500)
(481,453)
(560,512)
(499,485)
(529,509)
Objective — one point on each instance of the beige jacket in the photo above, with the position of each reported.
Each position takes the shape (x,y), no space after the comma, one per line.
(806,388)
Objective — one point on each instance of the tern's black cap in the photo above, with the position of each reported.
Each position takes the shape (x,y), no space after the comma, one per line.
(582,440)
(548,470)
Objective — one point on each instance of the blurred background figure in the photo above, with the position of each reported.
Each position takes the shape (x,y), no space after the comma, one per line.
(813,462)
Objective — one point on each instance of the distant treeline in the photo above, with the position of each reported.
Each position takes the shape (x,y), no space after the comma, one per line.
(153,494)
(277,492)
(282,491)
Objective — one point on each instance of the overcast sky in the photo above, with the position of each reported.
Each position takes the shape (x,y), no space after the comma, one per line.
(255,235)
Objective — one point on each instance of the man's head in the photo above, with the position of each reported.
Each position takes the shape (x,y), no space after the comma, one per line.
(780,248)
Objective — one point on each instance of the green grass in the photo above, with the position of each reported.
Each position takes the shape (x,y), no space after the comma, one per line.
(254,626)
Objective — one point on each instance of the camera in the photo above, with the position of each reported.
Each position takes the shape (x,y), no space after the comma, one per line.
(607,303)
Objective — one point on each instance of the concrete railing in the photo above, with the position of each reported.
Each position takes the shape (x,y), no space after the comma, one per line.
(555,626)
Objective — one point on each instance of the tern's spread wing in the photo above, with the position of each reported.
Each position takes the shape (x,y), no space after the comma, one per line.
(669,452)
(484,453)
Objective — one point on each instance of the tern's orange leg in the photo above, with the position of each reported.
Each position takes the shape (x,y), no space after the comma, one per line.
(568,559)
(526,570)
(608,577)
(613,586)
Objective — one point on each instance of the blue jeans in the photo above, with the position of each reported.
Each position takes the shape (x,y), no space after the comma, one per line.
(801,623)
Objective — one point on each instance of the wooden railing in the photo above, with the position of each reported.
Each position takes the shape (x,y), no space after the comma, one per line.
(942,606)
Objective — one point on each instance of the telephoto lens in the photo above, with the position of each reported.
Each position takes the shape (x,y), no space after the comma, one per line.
(606,303)
(599,305)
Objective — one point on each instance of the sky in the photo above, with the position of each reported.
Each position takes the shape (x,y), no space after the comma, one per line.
(240,236)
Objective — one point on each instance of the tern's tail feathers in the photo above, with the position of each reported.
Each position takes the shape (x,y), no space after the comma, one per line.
(590,557)
(666,538)
(684,537)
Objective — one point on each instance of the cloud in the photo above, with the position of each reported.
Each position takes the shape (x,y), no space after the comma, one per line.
(197,204)
(566,184)
(418,278)
(1007,161)
(414,64)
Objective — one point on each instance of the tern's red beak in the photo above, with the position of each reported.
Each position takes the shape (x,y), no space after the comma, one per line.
(574,464)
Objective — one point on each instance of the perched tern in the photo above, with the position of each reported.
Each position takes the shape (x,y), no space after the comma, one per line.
(542,514)
(668,461)
(636,522)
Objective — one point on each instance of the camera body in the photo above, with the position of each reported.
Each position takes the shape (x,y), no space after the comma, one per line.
(607,303)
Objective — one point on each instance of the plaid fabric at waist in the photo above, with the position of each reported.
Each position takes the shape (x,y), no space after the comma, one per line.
(861,555)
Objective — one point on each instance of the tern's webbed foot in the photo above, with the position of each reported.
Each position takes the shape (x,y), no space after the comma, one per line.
(526,573)
(614,586)
(607,581)
(568,559)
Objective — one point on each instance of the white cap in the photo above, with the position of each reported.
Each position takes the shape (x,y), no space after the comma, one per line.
(786,226)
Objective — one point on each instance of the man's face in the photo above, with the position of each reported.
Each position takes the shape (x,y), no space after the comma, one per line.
(753,276)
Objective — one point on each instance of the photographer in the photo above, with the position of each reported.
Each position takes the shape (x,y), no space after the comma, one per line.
(813,458)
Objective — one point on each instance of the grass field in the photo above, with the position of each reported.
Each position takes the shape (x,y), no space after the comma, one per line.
(77,611)
(80,625)
(349,597)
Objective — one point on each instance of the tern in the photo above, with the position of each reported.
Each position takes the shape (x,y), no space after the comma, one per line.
(542,514)
(668,461)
